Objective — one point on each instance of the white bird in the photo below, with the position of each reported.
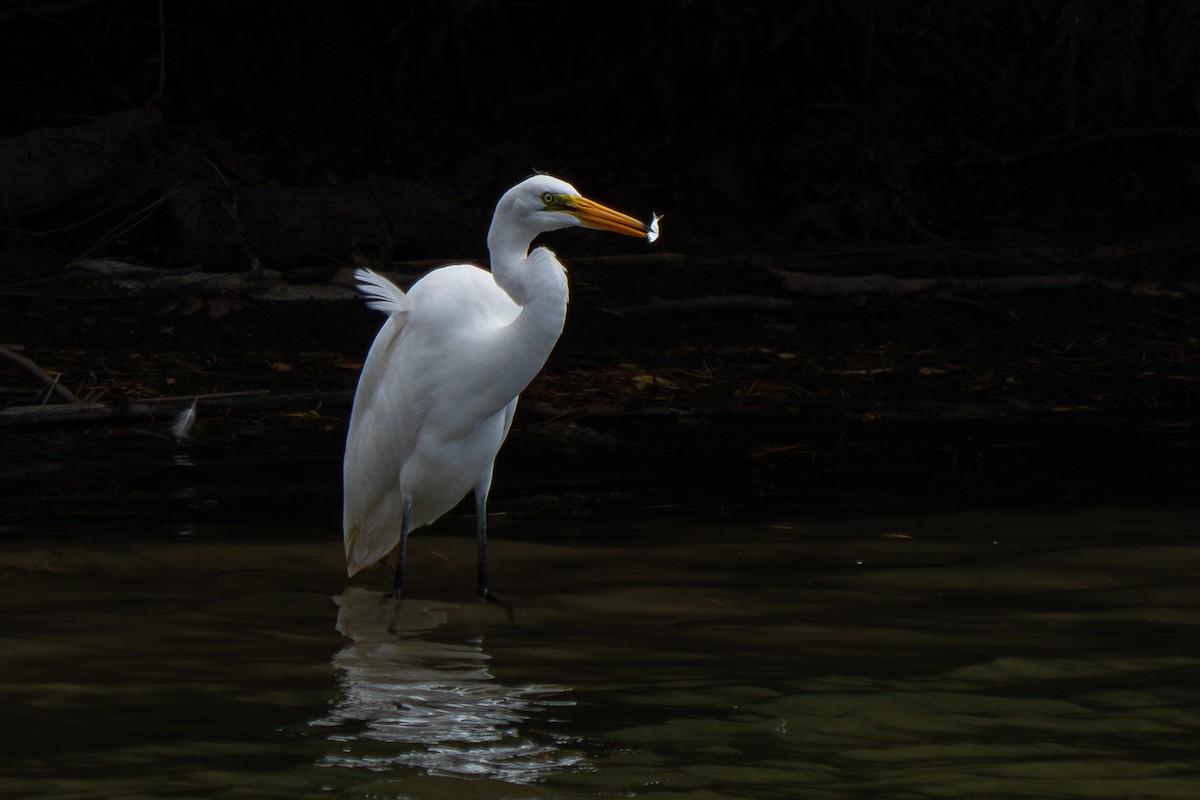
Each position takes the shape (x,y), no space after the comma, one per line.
(439,387)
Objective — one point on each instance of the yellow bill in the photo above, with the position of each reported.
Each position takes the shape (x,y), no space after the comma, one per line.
(601,217)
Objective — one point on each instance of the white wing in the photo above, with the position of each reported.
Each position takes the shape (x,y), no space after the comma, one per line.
(419,356)
(379,440)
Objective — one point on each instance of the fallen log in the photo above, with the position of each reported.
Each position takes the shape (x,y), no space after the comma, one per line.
(51,167)
(143,410)
(738,301)
(103,180)
(222,225)
(106,278)
(879,283)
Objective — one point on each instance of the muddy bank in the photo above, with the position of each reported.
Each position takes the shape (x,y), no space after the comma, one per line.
(862,399)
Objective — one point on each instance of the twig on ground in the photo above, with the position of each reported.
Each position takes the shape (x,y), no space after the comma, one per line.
(32,368)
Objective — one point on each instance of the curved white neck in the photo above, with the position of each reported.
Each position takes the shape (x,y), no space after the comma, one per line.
(538,284)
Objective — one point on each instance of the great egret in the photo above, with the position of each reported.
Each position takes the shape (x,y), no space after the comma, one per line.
(439,387)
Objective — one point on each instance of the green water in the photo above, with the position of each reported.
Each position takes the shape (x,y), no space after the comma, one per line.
(1040,653)
(1006,655)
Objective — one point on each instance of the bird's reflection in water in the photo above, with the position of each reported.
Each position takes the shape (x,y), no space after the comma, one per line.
(408,701)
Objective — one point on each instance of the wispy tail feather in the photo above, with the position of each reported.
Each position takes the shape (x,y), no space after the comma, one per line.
(381,294)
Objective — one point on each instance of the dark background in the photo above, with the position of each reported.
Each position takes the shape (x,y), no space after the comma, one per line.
(951,141)
(755,125)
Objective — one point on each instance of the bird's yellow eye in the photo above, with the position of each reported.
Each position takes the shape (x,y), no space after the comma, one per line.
(548,198)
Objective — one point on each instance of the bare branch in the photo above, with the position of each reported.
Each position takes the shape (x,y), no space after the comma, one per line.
(32,368)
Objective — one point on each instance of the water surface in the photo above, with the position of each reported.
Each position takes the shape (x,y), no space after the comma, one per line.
(204,647)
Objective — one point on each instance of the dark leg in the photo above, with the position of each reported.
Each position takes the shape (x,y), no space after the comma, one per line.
(481,534)
(398,583)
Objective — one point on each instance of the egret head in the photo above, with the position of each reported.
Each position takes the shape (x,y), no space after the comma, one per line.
(550,203)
